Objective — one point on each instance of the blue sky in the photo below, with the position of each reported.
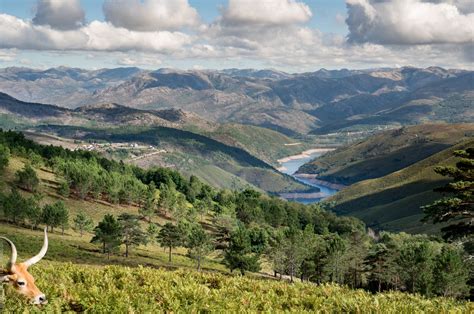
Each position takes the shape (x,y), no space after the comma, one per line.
(290,35)
(324,11)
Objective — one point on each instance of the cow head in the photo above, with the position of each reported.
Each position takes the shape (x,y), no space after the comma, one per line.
(18,276)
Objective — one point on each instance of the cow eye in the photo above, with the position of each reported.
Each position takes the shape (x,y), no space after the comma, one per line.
(21,283)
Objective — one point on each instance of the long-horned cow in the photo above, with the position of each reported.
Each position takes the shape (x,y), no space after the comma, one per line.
(18,275)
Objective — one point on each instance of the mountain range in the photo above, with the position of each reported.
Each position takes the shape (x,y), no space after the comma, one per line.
(317,102)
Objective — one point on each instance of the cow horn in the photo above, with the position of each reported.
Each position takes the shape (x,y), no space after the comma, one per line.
(35,259)
(13,257)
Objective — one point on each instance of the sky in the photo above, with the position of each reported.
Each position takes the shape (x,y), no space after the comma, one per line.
(287,35)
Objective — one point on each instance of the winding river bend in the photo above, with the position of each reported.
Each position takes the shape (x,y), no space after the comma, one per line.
(289,165)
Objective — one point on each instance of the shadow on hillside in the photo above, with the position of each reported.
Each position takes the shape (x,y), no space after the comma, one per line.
(367,203)
(371,168)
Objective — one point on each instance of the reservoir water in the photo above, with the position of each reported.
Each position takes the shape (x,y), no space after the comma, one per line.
(291,164)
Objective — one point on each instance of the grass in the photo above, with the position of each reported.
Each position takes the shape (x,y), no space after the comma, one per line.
(72,247)
(118,289)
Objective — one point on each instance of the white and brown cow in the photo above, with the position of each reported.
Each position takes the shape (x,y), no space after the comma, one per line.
(18,276)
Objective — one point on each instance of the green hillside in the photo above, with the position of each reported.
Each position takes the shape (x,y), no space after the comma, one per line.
(386,152)
(187,152)
(392,202)
(221,232)
(266,144)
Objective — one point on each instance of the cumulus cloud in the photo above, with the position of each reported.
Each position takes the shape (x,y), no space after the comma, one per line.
(275,12)
(150,15)
(263,33)
(405,22)
(100,36)
(59,14)
(260,28)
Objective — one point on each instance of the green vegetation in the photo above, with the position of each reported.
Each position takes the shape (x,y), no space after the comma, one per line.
(459,205)
(83,223)
(143,290)
(55,215)
(170,237)
(393,202)
(386,152)
(4,156)
(191,151)
(27,178)
(207,228)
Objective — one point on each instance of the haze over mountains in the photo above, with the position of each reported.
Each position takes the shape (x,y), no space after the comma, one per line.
(315,102)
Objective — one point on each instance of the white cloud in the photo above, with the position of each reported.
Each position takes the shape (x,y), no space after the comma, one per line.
(100,36)
(409,22)
(140,60)
(104,36)
(266,12)
(150,15)
(7,55)
(59,14)
(264,34)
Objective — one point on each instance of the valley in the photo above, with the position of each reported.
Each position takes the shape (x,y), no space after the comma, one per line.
(289,165)
(236,156)
(390,175)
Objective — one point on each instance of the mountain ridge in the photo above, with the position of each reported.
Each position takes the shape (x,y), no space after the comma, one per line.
(297,103)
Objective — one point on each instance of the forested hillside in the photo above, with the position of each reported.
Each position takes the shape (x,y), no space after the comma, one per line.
(99,211)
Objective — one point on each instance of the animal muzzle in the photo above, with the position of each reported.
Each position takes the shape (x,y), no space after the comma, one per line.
(39,299)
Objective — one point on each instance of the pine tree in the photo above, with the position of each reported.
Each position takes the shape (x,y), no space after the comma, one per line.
(239,254)
(108,233)
(83,223)
(152,232)
(56,215)
(14,206)
(354,260)
(148,208)
(450,273)
(378,265)
(34,212)
(27,178)
(170,236)
(458,204)
(199,244)
(4,157)
(416,261)
(167,201)
(132,233)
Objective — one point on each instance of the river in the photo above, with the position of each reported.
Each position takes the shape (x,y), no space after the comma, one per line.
(291,164)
